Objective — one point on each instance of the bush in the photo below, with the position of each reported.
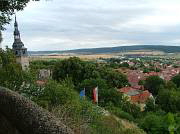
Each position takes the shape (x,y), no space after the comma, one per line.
(153,124)
(121,114)
(57,93)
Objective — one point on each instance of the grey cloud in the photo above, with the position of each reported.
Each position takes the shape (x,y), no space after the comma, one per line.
(60,23)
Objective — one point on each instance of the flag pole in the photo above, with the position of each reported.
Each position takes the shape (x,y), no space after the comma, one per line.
(84,92)
(97,95)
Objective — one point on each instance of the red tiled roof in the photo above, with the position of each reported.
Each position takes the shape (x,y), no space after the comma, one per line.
(141,98)
(126,89)
(138,87)
(41,82)
(134,76)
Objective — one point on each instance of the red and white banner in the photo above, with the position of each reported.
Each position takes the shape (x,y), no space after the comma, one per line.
(95,95)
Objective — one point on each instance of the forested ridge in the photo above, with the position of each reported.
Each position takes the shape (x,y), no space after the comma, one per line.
(166,49)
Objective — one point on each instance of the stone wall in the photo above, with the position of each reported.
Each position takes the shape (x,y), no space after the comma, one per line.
(27,117)
(44,74)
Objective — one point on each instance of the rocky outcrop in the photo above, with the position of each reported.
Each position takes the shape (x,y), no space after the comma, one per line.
(6,127)
(27,117)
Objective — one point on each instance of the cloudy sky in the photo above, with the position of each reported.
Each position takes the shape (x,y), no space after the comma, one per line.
(73,24)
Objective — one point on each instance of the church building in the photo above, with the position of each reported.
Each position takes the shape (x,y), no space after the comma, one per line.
(19,49)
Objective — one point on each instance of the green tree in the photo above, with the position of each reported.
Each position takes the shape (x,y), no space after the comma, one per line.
(110,96)
(113,78)
(151,106)
(80,70)
(124,64)
(55,94)
(130,108)
(72,68)
(171,123)
(170,85)
(176,80)
(153,124)
(169,100)
(90,71)
(14,77)
(8,7)
(11,72)
(154,84)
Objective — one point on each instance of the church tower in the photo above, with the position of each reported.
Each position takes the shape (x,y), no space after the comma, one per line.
(19,49)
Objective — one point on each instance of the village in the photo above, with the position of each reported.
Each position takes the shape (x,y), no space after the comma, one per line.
(138,69)
(89,67)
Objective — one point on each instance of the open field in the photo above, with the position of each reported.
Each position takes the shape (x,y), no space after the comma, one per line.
(143,52)
(83,57)
(97,56)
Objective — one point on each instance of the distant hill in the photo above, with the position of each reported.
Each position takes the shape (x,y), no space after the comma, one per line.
(166,49)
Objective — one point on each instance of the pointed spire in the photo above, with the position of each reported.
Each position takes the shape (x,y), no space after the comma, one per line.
(15,23)
(17,37)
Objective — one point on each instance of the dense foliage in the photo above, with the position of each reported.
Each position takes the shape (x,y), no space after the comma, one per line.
(153,84)
(176,80)
(79,71)
(88,75)
(12,76)
(7,8)
(61,96)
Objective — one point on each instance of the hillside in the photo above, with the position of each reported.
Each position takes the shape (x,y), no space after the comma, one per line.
(166,49)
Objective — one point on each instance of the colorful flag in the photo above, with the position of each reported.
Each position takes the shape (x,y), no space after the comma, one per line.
(95,95)
(82,93)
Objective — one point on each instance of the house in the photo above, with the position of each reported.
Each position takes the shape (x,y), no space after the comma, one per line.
(137,95)
(142,97)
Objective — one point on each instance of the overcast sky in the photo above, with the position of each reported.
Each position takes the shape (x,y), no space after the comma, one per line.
(73,24)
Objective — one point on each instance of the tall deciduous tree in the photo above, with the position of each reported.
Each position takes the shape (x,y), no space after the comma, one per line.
(169,100)
(12,75)
(8,7)
(72,68)
(154,84)
(80,70)
(176,80)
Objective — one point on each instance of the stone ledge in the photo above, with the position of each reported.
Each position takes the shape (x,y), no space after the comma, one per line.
(27,116)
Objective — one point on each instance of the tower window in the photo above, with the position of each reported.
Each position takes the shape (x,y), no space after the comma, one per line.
(16,52)
(24,52)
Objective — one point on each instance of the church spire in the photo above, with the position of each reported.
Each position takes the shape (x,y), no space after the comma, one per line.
(15,24)
(18,47)
(16,31)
